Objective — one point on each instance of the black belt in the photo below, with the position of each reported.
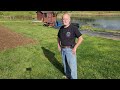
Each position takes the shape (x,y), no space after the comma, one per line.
(66,47)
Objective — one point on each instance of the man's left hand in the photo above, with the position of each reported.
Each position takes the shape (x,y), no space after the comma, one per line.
(74,50)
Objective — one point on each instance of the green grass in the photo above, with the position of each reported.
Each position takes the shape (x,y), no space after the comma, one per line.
(14,13)
(17,15)
(100,58)
(97,58)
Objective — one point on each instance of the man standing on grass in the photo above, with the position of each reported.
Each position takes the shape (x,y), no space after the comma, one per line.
(67,45)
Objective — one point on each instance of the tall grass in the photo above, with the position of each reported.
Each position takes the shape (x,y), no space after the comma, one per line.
(91,13)
(17,15)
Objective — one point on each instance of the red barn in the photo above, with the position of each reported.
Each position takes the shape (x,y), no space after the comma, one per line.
(48,17)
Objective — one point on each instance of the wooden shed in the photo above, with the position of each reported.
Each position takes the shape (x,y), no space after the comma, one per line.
(48,17)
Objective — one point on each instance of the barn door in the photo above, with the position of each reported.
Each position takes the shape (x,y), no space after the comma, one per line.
(49,18)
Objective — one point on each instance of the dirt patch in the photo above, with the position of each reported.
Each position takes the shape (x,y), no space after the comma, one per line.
(10,39)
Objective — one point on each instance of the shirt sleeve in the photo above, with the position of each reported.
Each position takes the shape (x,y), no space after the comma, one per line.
(77,33)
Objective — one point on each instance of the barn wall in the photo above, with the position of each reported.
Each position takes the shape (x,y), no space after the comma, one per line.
(39,16)
(47,18)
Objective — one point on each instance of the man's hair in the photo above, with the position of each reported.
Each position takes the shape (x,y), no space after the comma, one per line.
(67,14)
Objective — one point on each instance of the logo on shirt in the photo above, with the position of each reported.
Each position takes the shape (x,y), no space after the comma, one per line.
(68,34)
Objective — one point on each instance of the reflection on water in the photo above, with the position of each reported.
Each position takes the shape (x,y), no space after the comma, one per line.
(109,24)
(112,23)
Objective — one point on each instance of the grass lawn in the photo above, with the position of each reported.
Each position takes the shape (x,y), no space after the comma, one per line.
(97,58)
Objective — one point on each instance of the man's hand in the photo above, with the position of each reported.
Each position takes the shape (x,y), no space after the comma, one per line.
(74,50)
(59,48)
(80,39)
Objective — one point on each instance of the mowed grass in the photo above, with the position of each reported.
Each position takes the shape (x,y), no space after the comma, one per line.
(97,58)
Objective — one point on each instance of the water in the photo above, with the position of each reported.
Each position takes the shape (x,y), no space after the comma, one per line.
(111,23)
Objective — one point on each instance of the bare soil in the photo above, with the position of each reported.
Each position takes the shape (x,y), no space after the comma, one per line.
(10,39)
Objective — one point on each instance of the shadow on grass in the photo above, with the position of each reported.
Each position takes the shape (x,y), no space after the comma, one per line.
(51,57)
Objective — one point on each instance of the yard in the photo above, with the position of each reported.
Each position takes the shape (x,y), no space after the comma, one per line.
(97,58)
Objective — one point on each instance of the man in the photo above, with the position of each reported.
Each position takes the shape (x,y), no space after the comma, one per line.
(67,45)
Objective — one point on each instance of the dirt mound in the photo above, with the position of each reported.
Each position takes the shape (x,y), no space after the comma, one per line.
(10,39)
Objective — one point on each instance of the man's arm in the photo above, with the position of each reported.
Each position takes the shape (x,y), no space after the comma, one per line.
(59,43)
(79,41)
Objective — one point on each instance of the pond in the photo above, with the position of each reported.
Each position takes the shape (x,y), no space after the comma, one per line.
(111,23)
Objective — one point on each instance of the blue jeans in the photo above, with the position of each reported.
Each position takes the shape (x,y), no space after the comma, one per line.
(69,63)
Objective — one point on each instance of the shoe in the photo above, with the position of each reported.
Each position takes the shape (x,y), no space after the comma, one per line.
(64,77)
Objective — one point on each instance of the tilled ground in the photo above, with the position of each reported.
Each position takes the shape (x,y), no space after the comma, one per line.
(10,39)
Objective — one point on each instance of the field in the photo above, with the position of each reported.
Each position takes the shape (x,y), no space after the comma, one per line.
(97,58)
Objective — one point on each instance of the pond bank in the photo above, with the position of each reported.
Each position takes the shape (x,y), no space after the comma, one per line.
(108,35)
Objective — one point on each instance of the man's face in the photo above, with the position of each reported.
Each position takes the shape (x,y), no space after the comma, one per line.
(66,20)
